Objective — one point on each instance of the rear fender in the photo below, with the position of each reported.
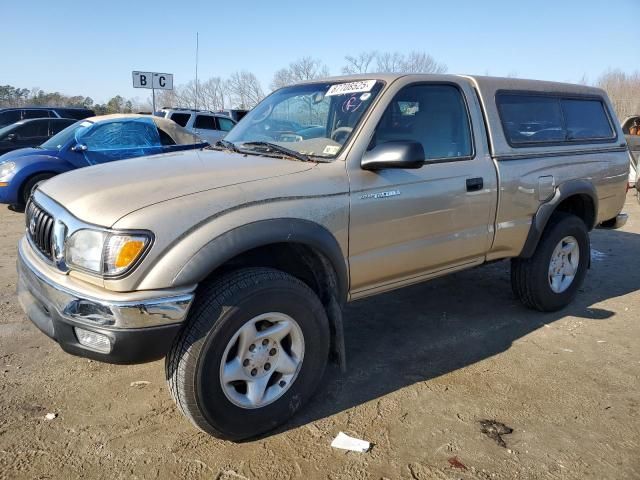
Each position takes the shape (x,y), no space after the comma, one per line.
(542,216)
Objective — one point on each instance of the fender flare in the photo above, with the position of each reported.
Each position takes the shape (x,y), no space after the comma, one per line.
(542,216)
(261,233)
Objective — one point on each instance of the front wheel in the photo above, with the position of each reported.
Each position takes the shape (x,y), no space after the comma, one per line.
(550,279)
(252,352)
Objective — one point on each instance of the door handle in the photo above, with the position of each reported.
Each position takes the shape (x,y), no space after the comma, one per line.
(474,184)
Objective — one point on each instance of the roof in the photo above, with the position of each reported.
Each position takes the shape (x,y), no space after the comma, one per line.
(192,110)
(181,135)
(27,107)
(484,82)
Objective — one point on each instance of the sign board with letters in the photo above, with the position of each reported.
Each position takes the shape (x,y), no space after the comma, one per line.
(153,80)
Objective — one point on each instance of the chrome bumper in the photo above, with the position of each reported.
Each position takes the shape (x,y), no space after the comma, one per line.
(138,331)
(96,312)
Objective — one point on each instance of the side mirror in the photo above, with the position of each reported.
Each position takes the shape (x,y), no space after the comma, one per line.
(401,154)
(79,147)
(12,137)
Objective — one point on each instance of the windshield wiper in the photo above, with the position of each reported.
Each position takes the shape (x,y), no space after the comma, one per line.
(228,145)
(278,148)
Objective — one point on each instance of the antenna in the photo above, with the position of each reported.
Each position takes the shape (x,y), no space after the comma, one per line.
(196,99)
(197,48)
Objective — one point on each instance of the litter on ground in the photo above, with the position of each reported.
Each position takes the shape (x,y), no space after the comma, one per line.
(345,442)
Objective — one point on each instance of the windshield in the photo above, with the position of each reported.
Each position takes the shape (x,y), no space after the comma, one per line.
(63,137)
(313,119)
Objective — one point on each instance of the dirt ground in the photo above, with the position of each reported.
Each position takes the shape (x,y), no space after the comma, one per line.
(426,364)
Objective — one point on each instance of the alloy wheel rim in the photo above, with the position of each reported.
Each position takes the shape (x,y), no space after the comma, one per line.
(262,360)
(564,263)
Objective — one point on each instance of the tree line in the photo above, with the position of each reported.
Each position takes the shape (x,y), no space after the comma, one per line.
(18,97)
(242,89)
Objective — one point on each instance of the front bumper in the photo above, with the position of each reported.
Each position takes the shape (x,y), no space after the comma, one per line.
(137,331)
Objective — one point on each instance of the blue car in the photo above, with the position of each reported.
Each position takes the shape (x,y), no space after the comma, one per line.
(89,142)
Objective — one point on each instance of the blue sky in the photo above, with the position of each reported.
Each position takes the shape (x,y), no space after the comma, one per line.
(91,47)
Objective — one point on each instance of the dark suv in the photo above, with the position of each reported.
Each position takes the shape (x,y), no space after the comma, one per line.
(31,133)
(13,115)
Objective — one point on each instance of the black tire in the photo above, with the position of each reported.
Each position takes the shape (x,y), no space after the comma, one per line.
(31,184)
(220,308)
(530,276)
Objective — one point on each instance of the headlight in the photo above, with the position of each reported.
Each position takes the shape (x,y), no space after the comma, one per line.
(84,250)
(7,170)
(104,253)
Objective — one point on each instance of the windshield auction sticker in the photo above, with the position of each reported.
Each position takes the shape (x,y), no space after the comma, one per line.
(351,87)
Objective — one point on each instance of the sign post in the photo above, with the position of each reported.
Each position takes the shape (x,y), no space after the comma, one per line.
(152,80)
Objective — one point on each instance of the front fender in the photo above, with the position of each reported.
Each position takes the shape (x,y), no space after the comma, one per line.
(260,233)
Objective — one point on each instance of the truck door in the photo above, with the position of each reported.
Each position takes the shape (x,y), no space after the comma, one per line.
(409,224)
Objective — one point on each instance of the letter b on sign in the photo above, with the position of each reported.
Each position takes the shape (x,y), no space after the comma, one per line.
(142,79)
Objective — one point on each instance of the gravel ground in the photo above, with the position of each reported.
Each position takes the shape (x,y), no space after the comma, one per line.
(426,365)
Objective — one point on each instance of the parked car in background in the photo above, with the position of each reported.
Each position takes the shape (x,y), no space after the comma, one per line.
(30,133)
(89,142)
(208,125)
(236,113)
(13,115)
(631,130)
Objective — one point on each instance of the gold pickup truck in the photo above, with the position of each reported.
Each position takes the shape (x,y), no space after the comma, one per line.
(235,261)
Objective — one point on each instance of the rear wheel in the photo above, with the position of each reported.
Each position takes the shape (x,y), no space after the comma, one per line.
(550,279)
(252,352)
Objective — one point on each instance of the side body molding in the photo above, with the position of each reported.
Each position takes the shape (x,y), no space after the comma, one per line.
(261,233)
(540,219)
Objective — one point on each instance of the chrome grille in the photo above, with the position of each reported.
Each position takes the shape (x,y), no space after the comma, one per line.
(40,229)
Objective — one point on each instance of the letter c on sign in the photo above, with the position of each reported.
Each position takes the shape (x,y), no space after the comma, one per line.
(162,81)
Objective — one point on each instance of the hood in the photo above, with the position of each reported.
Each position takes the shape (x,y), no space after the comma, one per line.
(102,194)
(25,153)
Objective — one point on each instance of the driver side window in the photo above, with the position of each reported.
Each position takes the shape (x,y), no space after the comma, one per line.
(433,115)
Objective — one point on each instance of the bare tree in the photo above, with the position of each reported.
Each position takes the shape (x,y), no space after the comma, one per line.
(186,96)
(212,94)
(421,62)
(305,68)
(414,62)
(390,62)
(623,90)
(281,78)
(244,89)
(359,63)
(165,98)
